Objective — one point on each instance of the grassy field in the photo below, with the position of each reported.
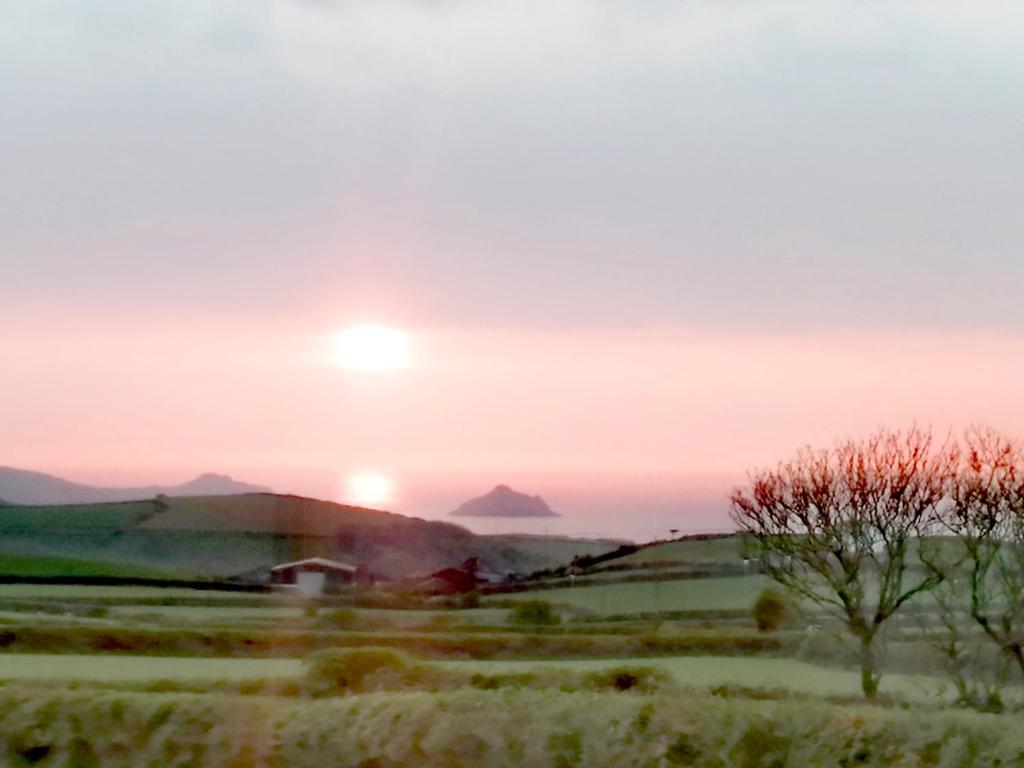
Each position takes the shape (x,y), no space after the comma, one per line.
(718,550)
(23,565)
(706,672)
(95,667)
(698,672)
(552,550)
(74,518)
(87,591)
(728,593)
(112,676)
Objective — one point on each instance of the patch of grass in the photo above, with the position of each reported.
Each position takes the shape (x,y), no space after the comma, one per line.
(115,669)
(124,594)
(47,566)
(74,518)
(719,550)
(707,672)
(729,593)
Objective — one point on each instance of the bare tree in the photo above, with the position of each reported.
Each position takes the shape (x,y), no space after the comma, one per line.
(986,517)
(837,527)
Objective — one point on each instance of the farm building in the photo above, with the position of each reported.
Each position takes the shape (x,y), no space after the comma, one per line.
(448,581)
(466,578)
(314,575)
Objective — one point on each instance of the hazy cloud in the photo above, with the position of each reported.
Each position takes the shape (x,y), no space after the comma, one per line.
(548,163)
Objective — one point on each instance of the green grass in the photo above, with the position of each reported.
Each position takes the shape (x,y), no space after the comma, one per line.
(703,672)
(534,553)
(77,518)
(49,566)
(115,669)
(722,550)
(713,671)
(88,591)
(729,593)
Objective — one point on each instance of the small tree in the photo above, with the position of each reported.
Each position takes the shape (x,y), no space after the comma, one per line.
(834,527)
(534,612)
(771,610)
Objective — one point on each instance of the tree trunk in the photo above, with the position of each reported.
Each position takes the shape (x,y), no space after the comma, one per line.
(1016,652)
(869,676)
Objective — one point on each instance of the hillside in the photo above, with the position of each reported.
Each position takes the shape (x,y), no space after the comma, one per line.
(220,536)
(21,486)
(721,549)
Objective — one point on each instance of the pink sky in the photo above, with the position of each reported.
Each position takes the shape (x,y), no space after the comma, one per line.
(654,242)
(106,399)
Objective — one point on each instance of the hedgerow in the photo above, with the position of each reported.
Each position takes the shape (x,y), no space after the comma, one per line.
(295,643)
(498,729)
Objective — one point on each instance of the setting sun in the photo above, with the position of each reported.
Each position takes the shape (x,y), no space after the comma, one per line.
(369,489)
(372,348)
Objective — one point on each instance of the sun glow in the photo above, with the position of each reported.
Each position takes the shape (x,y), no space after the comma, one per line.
(372,348)
(369,489)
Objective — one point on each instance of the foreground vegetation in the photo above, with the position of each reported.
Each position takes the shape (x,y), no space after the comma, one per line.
(709,651)
(485,728)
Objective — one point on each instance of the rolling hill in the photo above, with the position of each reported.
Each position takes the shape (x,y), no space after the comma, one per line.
(221,536)
(22,486)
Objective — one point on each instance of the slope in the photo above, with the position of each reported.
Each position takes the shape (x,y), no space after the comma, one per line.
(220,536)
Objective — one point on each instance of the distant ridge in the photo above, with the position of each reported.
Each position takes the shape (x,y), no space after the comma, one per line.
(21,486)
(229,536)
(504,502)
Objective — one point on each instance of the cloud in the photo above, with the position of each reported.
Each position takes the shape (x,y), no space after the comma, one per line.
(542,163)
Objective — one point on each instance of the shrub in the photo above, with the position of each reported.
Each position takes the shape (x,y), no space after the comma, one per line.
(534,612)
(341,618)
(772,610)
(336,671)
(627,678)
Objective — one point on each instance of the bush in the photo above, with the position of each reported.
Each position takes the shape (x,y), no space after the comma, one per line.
(341,618)
(626,678)
(335,671)
(772,610)
(535,613)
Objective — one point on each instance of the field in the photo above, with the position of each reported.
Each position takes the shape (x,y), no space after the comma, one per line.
(724,549)
(646,661)
(118,669)
(728,594)
(68,567)
(699,672)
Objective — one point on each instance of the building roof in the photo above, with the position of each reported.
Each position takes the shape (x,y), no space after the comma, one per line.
(316,564)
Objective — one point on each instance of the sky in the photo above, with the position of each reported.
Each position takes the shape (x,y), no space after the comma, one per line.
(636,248)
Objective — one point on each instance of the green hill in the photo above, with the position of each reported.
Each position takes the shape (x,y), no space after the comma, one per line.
(710,549)
(221,536)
